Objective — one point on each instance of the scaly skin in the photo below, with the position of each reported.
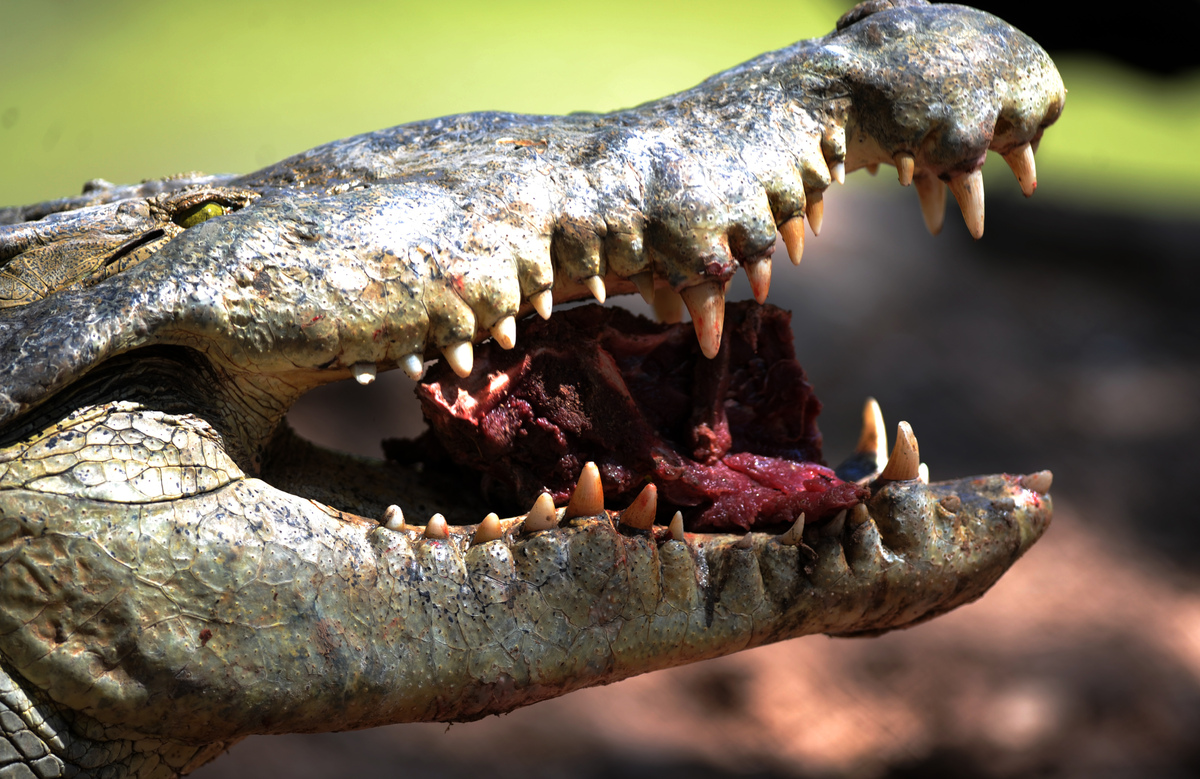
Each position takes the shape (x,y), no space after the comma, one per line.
(164,596)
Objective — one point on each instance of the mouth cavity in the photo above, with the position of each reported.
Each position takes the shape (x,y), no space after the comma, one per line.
(730,443)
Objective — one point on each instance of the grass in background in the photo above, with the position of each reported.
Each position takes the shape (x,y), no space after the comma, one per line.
(135,90)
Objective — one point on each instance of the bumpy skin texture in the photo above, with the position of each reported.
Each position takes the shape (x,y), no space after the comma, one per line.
(175,574)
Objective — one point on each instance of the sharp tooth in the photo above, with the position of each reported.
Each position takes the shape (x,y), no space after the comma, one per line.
(816,212)
(904,167)
(905,462)
(745,542)
(1038,482)
(794,535)
(676,526)
(759,274)
(461,357)
(489,529)
(595,285)
(838,171)
(1020,160)
(668,306)
(437,528)
(968,191)
(640,514)
(413,367)
(364,372)
(542,302)
(505,332)
(932,193)
(872,441)
(393,518)
(858,515)
(872,168)
(792,232)
(706,303)
(923,473)
(542,516)
(835,527)
(588,498)
(644,282)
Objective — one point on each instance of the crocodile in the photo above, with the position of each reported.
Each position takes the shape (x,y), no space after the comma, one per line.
(180,570)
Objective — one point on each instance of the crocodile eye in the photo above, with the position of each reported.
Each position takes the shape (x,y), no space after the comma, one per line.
(197,214)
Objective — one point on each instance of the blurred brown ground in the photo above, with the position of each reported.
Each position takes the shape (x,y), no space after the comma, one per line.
(1064,339)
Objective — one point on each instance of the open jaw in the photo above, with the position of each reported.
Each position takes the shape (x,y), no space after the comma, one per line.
(181,570)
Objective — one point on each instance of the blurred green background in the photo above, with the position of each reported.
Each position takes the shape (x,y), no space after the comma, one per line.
(133,90)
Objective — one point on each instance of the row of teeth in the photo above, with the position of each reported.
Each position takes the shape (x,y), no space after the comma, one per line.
(587,500)
(705,301)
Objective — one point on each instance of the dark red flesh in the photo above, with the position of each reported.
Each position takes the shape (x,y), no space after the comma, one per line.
(732,441)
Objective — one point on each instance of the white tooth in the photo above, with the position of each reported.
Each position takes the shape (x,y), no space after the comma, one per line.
(1038,482)
(676,526)
(413,367)
(644,282)
(923,473)
(794,535)
(905,462)
(873,438)
(905,164)
(834,527)
(641,512)
(542,302)
(838,171)
(706,303)
(815,211)
(461,357)
(504,332)
(1020,160)
(588,498)
(595,285)
(968,191)
(393,518)
(489,529)
(932,193)
(858,515)
(745,542)
(437,528)
(668,306)
(542,516)
(792,232)
(364,372)
(759,274)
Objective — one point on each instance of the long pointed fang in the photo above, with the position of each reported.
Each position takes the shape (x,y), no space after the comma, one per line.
(542,516)
(437,528)
(363,372)
(676,526)
(706,303)
(595,285)
(816,212)
(968,191)
(905,462)
(644,282)
(588,498)
(1020,160)
(640,514)
(489,529)
(1038,482)
(668,306)
(504,332)
(393,518)
(461,357)
(794,535)
(932,193)
(872,441)
(542,303)
(905,164)
(412,366)
(759,274)
(792,232)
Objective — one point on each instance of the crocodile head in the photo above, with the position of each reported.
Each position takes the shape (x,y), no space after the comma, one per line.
(180,570)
